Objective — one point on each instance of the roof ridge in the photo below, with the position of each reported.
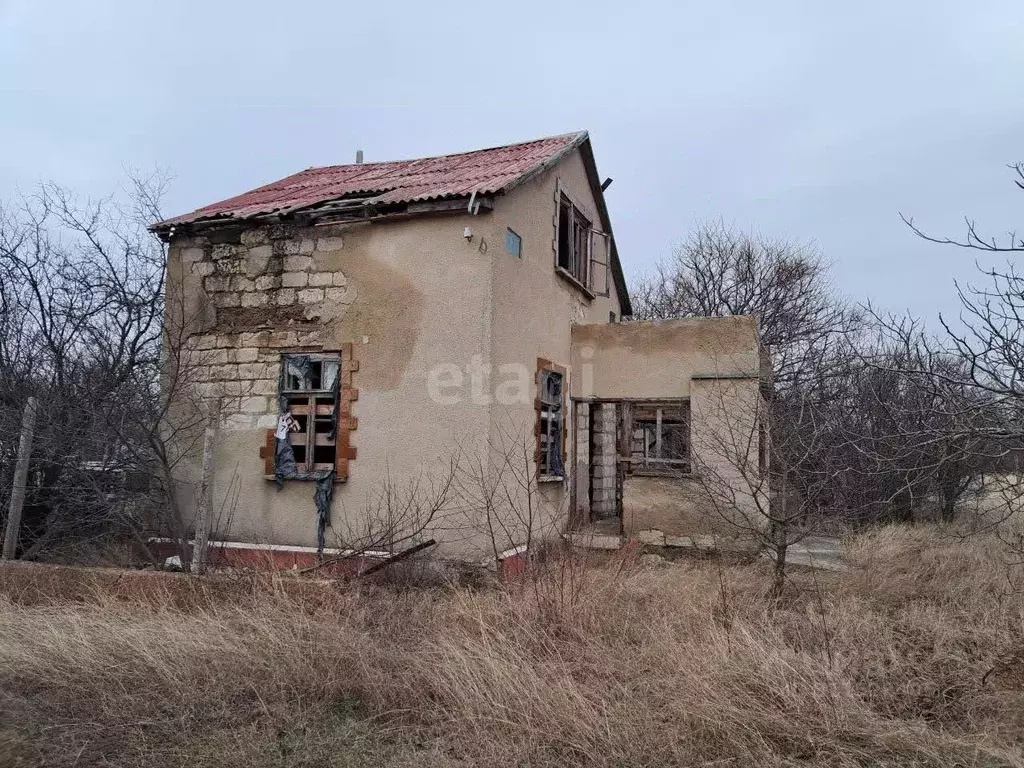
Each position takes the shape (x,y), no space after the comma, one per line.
(574,135)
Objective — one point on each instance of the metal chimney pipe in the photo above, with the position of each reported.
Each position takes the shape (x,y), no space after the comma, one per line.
(359,157)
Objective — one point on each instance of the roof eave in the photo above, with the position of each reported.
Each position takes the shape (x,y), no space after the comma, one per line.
(590,164)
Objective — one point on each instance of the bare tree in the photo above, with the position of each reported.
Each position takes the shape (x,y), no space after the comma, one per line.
(973,239)
(766,471)
(988,340)
(82,326)
(719,271)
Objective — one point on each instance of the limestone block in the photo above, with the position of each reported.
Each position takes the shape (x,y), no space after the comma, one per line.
(311,295)
(227,372)
(255,299)
(264,387)
(267,420)
(228,300)
(294,279)
(321,278)
(296,246)
(242,283)
(203,268)
(257,259)
(244,355)
(340,279)
(258,339)
(255,237)
(297,263)
(283,339)
(267,282)
(678,541)
(216,357)
(233,388)
(224,251)
(284,296)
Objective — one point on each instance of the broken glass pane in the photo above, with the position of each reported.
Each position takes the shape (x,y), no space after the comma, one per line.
(298,372)
(329,377)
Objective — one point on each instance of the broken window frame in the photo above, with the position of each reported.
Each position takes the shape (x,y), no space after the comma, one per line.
(551,422)
(573,242)
(650,418)
(605,266)
(298,403)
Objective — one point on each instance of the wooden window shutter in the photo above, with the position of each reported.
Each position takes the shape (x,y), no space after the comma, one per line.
(268,453)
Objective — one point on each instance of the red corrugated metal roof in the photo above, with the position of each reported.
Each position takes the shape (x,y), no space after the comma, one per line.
(485,171)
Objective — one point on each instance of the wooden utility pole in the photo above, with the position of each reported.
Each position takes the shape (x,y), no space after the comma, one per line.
(28,423)
(202,526)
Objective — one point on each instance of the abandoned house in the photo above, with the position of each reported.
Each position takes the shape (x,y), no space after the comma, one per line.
(365,328)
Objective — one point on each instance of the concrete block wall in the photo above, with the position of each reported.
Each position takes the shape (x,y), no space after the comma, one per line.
(603,456)
(581,477)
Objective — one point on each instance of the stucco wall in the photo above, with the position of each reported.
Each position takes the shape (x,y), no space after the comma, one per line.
(659,359)
(533,312)
(716,364)
(444,332)
(409,296)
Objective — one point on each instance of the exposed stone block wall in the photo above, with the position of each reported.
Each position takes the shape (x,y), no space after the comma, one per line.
(602,493)
(264,296)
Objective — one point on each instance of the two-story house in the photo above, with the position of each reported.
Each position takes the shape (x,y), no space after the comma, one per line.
(363,326)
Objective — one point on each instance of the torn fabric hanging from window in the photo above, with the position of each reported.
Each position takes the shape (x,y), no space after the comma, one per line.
(307,429)
(551,427)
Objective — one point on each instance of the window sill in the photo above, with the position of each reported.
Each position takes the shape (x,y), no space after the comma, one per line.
(551,479)
(569,278)
(305,478)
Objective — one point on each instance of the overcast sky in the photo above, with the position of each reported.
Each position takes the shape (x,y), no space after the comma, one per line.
(813,120)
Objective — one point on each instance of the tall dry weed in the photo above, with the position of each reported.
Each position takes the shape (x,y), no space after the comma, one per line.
(887,664)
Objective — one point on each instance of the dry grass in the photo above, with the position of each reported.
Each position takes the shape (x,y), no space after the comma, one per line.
(913,657)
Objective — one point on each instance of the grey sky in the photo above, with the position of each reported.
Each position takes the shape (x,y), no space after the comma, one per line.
(807,119)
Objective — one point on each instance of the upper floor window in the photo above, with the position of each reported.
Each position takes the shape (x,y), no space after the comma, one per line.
(513,243)
(573,241)
(582,253)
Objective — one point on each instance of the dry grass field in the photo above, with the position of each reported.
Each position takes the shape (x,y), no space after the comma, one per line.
(912,657)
